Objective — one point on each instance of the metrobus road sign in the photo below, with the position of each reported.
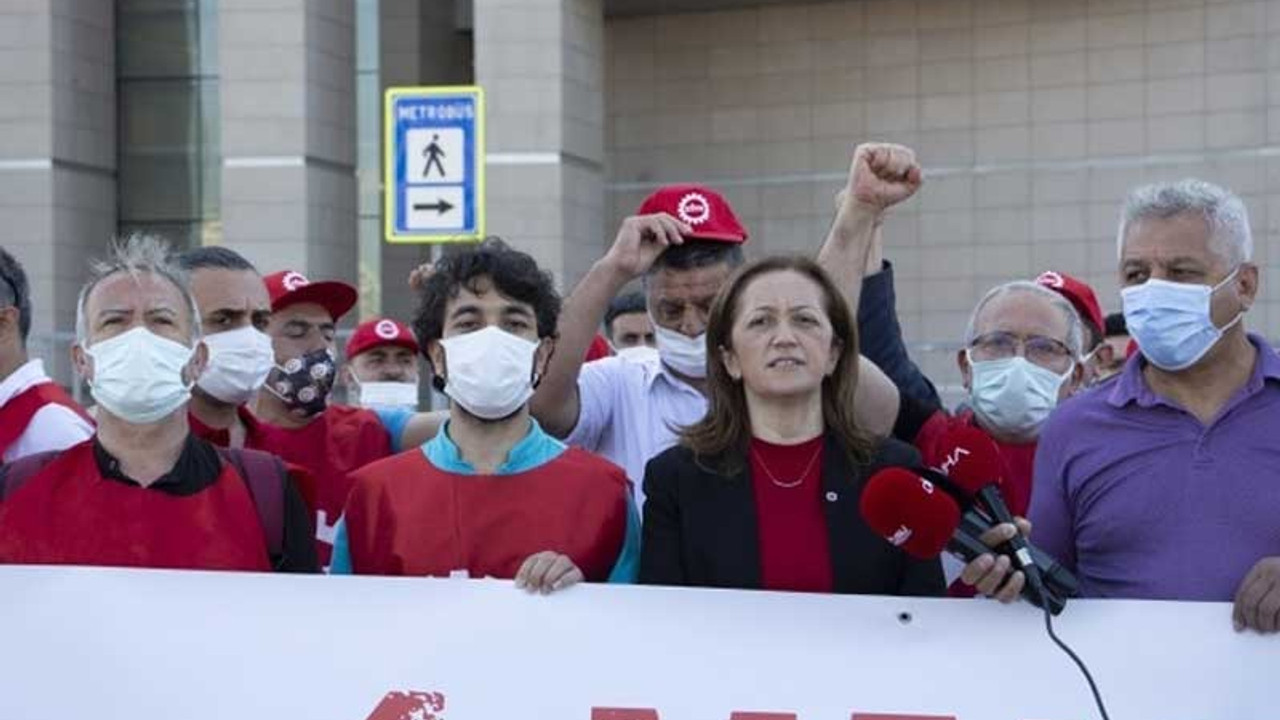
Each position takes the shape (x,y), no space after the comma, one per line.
(433,165)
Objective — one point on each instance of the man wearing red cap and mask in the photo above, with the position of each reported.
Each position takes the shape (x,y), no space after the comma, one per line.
(382,366)
(685,242)
(1097,353)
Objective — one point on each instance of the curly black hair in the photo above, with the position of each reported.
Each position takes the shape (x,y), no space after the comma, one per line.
(15,291)
(513,273)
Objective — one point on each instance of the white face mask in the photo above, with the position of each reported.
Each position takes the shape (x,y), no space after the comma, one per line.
(239,362)
(137,376)
(1173,322)
(685,355)
(386,394)
(489,372)
(639,354)
(1014,395)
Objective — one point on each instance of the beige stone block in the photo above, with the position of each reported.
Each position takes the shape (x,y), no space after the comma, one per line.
(1058,104)
(1178,96)
(1002,263)
(955,76)
(1233,130)
(832,155)
(835,21)
(677,95)
(1098,8)
(1058,36)
(1011,73)
(1110,138)
(845,120)
(840,54)
(1236,18)
(1058,9)
(629,97)
(956,44)
(1175,59)
(733,61)
(633,131)
(946,111)
(1176,25)
(1063,69)
(1121,100)
(1060,187)
(795,57)
(1236,91)
(1006,143)
(949,192)
(686,128)
(683,31)
(787,201)
(783,90)
(1002,108)
(1115,64)
(1236,54)
(680,63)
(943,261)
(734,92)
(944,14)
(1110,185)
(890,50)
(1002,189)
(992,12)
(1059,223)
(786,157)
(995,41)
(891,115)
(838,85)
(786,123)
(782,24)
(1109,31)
(945,147)
(1173,133)
(735,26)
(1062,255)
(891,15)
(1058,141)
(892,81)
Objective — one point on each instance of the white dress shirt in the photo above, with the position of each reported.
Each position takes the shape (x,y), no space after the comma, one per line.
(53,427)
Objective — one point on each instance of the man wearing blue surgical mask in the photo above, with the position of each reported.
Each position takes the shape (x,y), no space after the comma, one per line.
(1161,484)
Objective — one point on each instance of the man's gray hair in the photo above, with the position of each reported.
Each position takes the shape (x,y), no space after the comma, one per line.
(1223,211)
(1075,335)
(139,253)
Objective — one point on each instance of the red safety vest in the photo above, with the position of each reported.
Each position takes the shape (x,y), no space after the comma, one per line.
(68,514)
(407,517)
(16,414)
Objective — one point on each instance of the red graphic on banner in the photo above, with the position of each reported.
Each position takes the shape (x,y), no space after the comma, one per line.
(762,716)
(410,706)
(623,714)
(867,716)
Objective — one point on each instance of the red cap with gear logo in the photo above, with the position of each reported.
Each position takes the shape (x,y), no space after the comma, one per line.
(380,331)
(701,208)
(289,287)
(1080,295)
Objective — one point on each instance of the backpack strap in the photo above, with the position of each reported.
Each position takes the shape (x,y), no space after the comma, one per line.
(15,474)
(266,478)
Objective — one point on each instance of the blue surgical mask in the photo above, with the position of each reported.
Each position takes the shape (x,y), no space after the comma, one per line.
(1172,321)
(1014,395)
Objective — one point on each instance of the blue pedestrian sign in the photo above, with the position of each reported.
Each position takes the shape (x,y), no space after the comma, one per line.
(433,164)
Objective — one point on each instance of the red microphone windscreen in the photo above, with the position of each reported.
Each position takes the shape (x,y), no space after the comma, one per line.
(970,458)
(909,512)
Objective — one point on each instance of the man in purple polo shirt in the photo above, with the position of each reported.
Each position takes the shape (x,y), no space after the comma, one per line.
(1164,482)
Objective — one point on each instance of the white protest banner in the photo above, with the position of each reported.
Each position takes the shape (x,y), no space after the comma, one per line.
(116,644)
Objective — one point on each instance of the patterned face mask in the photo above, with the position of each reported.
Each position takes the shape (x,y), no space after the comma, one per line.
(303,383)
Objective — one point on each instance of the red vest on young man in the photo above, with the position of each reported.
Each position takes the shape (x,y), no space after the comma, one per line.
(16,414)
(69,514)
(407,517)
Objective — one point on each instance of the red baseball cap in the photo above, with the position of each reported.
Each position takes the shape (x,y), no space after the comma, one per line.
(1080,295)
(703,209)
(380,331)
(289,287)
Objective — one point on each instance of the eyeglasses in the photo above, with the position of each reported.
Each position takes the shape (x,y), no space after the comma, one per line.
(1043,351)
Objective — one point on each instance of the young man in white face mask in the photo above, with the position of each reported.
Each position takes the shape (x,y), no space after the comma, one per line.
(1162,483)
(521,504)
(381,370)
(145,491)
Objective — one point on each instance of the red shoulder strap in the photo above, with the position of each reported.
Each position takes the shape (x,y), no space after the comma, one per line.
(16,414)
(266,477)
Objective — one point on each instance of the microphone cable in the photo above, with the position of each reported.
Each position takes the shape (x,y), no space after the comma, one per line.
(1048,626)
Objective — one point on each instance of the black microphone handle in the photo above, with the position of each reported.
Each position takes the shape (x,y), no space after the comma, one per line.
(994,502)
(967,548)
(1058,579)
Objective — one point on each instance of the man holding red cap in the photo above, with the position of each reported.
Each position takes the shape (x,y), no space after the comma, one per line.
(1097,354)
(685,241)
(382,365)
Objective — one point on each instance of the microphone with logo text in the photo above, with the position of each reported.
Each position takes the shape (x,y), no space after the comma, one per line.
(972,463)
(923,519)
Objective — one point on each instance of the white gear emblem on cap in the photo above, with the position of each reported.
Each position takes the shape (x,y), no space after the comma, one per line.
(694,209)
(294,280)
(1051,278)
(386,330)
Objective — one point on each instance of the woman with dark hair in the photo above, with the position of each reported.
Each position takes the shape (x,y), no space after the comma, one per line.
(763,492)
